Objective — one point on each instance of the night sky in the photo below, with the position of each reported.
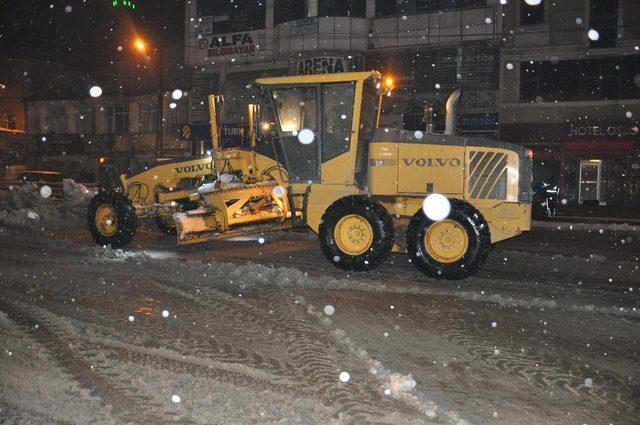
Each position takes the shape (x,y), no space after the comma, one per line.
(85,33)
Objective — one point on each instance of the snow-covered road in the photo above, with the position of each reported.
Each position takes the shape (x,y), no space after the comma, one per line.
(239,332)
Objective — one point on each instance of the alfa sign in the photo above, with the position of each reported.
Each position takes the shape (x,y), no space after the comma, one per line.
(231,45)
(321,65)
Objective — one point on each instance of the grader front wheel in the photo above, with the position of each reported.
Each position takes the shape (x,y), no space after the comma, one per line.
(453,248)
(111,219)
(356,233)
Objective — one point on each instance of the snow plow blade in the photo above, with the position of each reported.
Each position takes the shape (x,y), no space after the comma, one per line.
(196,226)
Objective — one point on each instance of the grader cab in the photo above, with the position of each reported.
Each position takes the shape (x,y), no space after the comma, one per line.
(319,159)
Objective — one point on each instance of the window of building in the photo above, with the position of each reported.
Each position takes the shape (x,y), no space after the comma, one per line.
(580,80)
(291,10)
(118,119)
(84,120)
(176,118)
(56,119)
(531,14)
(148,117)
(233,16)
(604,19)
(404,7)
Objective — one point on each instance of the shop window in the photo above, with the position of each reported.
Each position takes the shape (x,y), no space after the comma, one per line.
(118,119)
(531,14)
(56,119)
(231,16)
(84,120)
(604,19)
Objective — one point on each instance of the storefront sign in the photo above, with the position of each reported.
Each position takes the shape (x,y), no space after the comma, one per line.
(320,65)
(600,130)
(240,44)
(304,26)
(568,131)
(196,132)
(205,25)
(479,122)
(232,135)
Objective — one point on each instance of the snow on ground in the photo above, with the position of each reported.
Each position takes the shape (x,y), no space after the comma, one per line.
(170,335)
(35,389)
(588,226)
(23,207)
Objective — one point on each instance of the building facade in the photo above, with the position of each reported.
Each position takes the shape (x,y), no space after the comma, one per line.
(68,130)
(430,47)
(570,88)
(560,77)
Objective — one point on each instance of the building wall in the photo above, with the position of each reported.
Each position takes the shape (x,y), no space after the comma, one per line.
(583,107)
(75,153)
(408,43)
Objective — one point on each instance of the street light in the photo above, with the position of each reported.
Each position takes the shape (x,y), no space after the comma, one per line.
(140,45)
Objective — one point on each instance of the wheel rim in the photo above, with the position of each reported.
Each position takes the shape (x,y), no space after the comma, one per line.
(446,241)
(353,234)
(106,220)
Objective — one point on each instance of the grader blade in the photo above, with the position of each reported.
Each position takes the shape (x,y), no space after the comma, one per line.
(196,226)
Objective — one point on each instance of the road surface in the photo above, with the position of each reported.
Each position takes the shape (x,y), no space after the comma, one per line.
(267,331)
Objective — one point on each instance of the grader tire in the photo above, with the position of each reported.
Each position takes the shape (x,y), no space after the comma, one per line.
(356,233)
(112,219)
(453,248)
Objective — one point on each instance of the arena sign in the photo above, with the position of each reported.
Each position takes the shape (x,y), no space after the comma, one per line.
(321,65)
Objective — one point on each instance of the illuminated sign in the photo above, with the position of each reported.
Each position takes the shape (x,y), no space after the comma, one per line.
(126,3)
(231,45)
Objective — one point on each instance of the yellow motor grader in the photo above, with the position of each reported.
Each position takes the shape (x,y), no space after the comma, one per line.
(319,159)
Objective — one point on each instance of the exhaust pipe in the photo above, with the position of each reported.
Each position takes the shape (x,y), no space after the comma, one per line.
(452,112)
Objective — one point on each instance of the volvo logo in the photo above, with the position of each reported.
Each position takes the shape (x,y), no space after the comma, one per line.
(193,168)
(432,162)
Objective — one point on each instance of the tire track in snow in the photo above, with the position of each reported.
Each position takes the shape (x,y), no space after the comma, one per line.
(75,362)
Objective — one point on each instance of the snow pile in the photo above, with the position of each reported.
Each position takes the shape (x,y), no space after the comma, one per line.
(24,208)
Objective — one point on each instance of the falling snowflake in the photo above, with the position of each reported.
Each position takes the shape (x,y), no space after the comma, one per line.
(344,376)
(165,313)
(306,136)
(436,207)
(131,318)
(45,191)
(329,310)
(175,398)
(95,91)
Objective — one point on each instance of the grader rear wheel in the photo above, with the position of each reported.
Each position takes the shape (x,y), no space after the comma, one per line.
(111,219)
(453,248)
(356,233)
